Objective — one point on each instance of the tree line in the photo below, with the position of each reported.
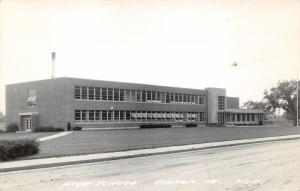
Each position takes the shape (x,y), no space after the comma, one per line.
(282,96)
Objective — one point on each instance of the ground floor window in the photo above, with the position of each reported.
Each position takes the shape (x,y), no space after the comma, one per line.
(221,118)
(104,116)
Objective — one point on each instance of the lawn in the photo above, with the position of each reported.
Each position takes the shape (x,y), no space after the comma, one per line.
(15,136)
(88,142)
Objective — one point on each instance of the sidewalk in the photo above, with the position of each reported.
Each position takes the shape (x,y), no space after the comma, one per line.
(69,160)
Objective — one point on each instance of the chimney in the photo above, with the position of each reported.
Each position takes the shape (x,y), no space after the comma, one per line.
(53,64)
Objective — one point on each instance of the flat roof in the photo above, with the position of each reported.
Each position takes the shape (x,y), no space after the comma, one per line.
(244,111)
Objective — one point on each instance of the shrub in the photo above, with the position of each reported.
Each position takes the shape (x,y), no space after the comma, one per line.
(69,128)
(44,129)
(191,125)
(58,129)
(77,128)
(48,129)
(12,149)
(146,126)
(13,127)
(212,124)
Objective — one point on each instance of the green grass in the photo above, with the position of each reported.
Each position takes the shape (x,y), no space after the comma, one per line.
(17,136)
(88,142)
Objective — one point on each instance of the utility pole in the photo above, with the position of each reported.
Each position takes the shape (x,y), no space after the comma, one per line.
(297,105)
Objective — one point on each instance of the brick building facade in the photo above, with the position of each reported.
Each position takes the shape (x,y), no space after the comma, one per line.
(101,104)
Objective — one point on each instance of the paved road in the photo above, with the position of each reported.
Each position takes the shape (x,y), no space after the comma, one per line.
(266,166)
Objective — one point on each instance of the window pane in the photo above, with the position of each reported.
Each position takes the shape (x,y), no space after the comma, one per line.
(116,95)
(143,96)
(110,94)
(84,93)
(163,97)
(97,115)
(197,99)
(148,96)
(97,93)
(168,98)
(109,115)
(104,93)
(193,99)
(116,115)
(176,97)
(221,103)
(201,100)
(91,115)
(77,115)
(84,115)
(104,115)
(128,116)
(127,95)
(91,93)
(158,96)
(77,92)
(153,96)
(180,98)
(139,95)
(122,116)
(122,95)
(184,98)
(172,97)
(188,98)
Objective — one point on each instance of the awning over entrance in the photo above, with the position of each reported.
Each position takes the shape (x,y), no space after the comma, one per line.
(29,113)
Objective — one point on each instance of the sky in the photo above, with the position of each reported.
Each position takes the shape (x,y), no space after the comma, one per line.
(181,43)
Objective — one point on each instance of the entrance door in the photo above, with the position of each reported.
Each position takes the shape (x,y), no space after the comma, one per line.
(27,123)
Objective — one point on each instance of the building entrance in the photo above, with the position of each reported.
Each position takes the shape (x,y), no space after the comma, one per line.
(27,123)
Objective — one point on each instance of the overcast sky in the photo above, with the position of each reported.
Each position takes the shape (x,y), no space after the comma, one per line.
(178,43)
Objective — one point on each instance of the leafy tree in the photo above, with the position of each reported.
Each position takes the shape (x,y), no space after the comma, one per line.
(283,96)
(261,105)
(1,116)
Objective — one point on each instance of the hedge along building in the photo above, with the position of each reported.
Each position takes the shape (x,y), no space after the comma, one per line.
(100,104)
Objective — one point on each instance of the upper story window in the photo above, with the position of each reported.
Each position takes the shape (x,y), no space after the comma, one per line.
(201,99)
(91,93)
(221,102)
(83,92)
(77,92)
(120,95)
(31,101)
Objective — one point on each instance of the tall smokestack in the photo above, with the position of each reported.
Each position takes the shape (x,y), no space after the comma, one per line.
(53,64)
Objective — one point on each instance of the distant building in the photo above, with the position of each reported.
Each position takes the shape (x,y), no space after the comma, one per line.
(101,104)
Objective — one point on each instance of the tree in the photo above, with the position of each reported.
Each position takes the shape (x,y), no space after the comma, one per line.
(69,128)
(283,96)
(261,105)
(1,117)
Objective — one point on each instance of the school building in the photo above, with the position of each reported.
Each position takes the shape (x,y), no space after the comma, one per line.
(104,104)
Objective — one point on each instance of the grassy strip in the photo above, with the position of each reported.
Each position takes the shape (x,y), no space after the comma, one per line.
(12,149)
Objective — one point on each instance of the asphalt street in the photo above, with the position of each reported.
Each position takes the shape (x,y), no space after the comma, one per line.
(264,166)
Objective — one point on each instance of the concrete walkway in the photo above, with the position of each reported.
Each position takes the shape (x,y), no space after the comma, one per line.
(69,160)
(54,136)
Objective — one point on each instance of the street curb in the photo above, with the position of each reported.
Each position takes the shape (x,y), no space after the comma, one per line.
(137,153)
